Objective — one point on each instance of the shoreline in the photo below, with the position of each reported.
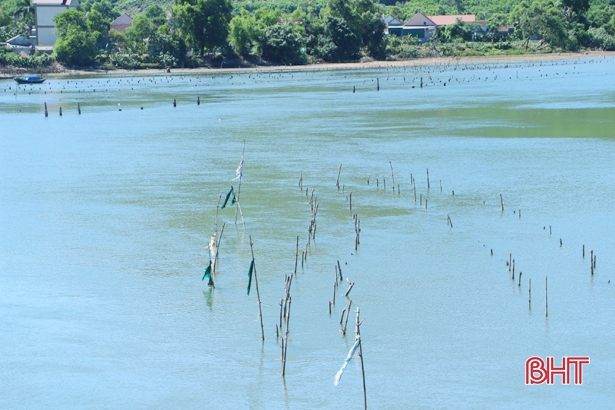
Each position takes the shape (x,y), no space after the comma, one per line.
(435,61)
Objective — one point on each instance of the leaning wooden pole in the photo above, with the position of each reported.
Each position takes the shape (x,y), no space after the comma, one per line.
(337,182)
(258,295)
(217,209)
(297,254)
(239,187)
(358,331)
(218,248)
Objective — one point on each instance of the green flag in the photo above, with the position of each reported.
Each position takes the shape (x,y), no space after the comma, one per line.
(208,273)
(228,197)
(250,275)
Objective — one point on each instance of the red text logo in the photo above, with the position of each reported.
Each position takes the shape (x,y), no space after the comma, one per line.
(538,371)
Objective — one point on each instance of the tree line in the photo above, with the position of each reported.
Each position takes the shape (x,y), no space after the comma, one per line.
(300,31)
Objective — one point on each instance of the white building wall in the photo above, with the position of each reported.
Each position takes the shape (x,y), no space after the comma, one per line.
(46,36)
(45,24)
(45,14)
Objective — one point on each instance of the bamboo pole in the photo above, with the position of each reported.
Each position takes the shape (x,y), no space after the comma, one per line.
(392,176)
(239,187)
(217,209)
(218,248)
(347,315)
(546,298)
(337,183)
(358,333)
(296,254)
(260,312)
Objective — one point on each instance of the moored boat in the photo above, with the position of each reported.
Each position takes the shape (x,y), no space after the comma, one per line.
(30,79)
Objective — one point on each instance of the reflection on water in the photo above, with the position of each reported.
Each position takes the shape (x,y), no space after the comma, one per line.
(105,217)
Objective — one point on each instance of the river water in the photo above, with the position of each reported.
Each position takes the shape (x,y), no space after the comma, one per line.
(105,217)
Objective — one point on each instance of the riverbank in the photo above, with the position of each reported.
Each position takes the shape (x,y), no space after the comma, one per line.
(335,66)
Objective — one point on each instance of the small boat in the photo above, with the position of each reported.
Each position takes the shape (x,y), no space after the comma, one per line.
(30,79)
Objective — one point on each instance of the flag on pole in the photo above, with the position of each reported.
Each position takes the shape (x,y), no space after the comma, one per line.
(250,275)
(208,274)
(228,196)
(353,349)
(239,170)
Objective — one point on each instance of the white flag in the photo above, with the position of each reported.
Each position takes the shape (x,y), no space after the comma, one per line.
(239,170)
(353,349)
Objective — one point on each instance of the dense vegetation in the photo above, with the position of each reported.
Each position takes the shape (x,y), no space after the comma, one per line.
(300,31)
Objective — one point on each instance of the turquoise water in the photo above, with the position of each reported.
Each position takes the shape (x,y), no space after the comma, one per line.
(105,216)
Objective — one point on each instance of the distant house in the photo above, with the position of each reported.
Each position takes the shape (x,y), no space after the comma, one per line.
(452,19)
(425,27)
(45,11)
(419,26)
(121,23)
(19,44)
(393,25)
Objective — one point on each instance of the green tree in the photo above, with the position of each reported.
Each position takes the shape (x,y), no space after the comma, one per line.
(545,20)
(69,20)
(338,42)
(168,47)
(105,8)
(76,47)
(281,44)
(141,29)
(364,19)
(241,32)
(600,38)
(117,40)
(576,6)
(204,23)
(95,21)
(156,14)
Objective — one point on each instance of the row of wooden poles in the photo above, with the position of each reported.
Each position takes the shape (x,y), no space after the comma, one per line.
(339,279)
(511,268)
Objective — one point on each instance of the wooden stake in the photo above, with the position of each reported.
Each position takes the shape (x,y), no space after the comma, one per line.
(337,183)
(520,273)
(296,254)
(358,333)
(260,312)
(502,203)
(591,261)
(347,315)
(217,209)
(350,197)
(350,285)
(513,269)
(392,176)
(546,299)
(218,248)
(428,179)
(529,294)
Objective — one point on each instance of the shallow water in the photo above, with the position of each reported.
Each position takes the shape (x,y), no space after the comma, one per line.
(105,216)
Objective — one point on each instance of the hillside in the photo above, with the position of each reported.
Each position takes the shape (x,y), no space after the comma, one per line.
(402,9)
